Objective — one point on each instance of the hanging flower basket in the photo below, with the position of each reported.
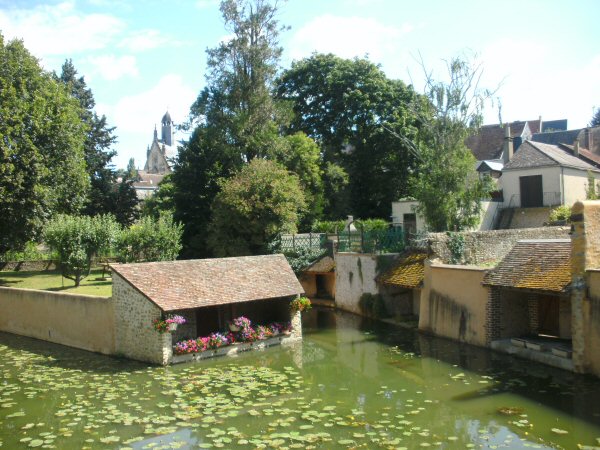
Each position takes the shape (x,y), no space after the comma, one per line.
(170,323)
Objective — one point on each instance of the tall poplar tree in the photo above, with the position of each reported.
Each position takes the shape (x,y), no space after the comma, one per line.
(106,196)
(234,118)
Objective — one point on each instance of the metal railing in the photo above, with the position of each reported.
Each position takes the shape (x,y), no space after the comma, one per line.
(552,199)
(390,240)
(305,241)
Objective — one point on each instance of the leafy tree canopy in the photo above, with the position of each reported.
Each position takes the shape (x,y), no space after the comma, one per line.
(78,239)
(150,240)
(253,207)
(42,136)
(356,114)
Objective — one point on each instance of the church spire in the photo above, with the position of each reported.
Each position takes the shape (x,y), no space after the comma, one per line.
(166,131)
(155,133)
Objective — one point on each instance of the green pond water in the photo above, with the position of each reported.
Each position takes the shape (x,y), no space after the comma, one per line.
(351,383)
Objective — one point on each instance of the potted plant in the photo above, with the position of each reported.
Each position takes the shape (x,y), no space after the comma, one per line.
(173,321)
(239,323)
(300,304)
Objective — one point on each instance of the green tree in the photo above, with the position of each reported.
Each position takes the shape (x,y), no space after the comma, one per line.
(235,118)
(150,240)
(161,202)
(253,207)
(97,147)
(446,185)
(237,100)
(595,122)
(355,113)
(42,163)
(78,239)
(126,205)
(202,161)
(131,172)
(302,156)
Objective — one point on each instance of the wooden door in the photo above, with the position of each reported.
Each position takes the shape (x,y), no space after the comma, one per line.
(548,315)
(532,194)
(409,225)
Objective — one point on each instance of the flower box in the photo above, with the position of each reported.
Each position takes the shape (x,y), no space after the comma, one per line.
(232,349)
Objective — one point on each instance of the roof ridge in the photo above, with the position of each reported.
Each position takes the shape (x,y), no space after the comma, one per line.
(544,153)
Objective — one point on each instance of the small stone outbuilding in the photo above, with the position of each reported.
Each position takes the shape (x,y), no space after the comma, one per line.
(401,284)
(207,292)
(318,279)
(529,291)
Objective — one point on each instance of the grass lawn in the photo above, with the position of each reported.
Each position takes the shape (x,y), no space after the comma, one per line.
(53,281)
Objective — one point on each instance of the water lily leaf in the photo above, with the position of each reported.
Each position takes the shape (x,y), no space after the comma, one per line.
(559,431)
(36,443)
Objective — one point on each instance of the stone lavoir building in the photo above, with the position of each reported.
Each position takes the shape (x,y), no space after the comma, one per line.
(208,293)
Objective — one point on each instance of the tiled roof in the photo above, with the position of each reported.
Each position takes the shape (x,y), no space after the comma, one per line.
(324,265)
(541,265)
(585,154)
(175,285)
(408,272)
(487,143)
(148,179)
(536,154)
(556,137)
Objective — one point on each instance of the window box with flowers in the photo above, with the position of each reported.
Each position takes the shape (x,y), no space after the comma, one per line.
(245,338)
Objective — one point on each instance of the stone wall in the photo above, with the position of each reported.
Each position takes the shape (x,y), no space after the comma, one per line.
(585,287)
(80,321)
(454,303)
(490,246)
(355,275)
(135,337)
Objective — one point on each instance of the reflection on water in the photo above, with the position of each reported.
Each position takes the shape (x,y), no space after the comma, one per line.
(351,383)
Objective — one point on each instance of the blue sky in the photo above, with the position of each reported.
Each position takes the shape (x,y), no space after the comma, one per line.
(142,57)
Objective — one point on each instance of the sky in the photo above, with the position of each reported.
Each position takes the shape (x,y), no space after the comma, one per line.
(144,57)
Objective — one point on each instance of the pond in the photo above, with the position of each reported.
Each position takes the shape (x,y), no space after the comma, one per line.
(350,384)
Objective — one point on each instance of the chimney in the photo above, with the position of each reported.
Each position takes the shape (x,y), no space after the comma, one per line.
(576,148)
(507,148)
(541,125)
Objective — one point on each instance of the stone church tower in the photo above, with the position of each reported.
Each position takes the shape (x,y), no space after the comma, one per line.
(161,152)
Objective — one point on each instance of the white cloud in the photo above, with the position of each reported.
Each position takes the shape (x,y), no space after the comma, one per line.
(347,37)
(112,67)
(136,115)
(146,40)
(59,29)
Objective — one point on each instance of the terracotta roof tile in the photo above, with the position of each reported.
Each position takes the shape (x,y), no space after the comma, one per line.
(175,285)
(541,265)
(324,265)
(488,142)
(408,272)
